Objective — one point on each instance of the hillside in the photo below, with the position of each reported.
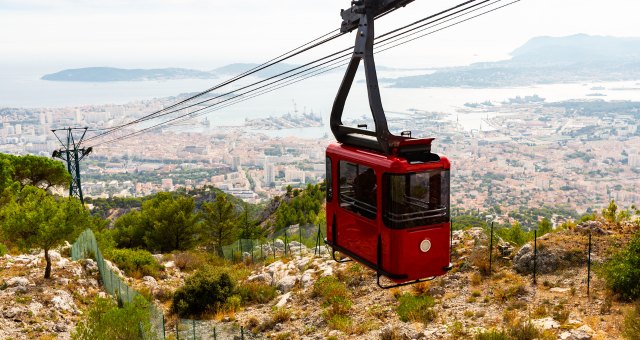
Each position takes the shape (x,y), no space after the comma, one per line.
(461,304)
(110,74)
(543,60)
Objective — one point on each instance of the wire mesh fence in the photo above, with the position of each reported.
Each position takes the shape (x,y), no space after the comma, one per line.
(290,241)
(189,329)
(86,246)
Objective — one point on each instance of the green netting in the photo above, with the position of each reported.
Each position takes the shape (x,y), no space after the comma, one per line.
(188,329)
(87,247)
(290,241)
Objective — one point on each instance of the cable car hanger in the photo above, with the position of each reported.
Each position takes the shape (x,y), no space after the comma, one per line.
(408,228)
(361,16)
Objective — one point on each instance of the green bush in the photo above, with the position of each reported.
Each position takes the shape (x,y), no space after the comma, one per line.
(524,331)
(255,292)
(3,249)
(622,271)
(135,263)
(493,334)
(632,324)
(336,301)
(206,290)
(514,234)
(106,321)
(416,308)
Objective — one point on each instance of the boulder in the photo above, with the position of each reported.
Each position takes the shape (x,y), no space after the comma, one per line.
(286,283)
(546,323)
(261,277)
(18,281)
(546,261)
(35,307)
(575,335)
(283,300)
(150,281)
(91,266)
(307,278)
(593,227)
(62,301)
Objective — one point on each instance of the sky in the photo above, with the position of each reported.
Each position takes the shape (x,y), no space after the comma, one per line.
(57,34)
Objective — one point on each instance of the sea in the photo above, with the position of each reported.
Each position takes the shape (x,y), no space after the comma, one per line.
(24,88)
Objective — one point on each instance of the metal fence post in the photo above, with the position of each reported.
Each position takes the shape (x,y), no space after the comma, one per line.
(215,335)
(491,249)
(286,242)
(164,335)
(535,254)
(241,333)
(589,266)
(316,249)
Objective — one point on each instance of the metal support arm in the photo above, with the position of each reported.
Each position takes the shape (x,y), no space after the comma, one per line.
(362,14)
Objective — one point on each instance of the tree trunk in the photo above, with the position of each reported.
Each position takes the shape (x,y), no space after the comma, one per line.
(47,270)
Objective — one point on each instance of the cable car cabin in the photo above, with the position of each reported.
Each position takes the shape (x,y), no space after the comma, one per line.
(387,195)
(389,213)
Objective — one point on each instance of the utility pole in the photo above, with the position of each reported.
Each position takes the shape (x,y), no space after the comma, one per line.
(72,154)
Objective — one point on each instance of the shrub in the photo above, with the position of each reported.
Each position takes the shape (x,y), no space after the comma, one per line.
(622,272)
(106,321)
(206,290)
(189,261)
(632,324)
(510,289)
(336,301)
(416,308)
(256,292)
(353,275)
(524,331)
(3,249)
(233,304)
(493,334)
(135,263)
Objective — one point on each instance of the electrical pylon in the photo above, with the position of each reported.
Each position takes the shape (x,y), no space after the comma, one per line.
(72,154)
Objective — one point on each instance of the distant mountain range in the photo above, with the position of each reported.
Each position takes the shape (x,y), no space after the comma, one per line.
(108,74)
(543,60)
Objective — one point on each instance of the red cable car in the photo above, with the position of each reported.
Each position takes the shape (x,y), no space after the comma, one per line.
(387,195)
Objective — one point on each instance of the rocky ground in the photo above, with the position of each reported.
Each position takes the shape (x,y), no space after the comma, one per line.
(467,301)
(32,307)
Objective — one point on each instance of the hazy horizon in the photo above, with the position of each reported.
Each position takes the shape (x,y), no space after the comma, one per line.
(55,35)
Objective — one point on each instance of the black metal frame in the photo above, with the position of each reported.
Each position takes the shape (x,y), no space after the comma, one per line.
(361,16)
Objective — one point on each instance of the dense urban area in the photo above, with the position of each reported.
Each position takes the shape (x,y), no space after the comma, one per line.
(525,152)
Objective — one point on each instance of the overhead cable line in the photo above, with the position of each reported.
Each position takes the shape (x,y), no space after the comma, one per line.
(300,76)
(164,111)
(326,68)
(282,57)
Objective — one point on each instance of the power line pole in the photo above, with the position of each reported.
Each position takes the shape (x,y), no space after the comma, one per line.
(72,154)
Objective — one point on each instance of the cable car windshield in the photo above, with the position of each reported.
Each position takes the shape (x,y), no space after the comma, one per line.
(416,199)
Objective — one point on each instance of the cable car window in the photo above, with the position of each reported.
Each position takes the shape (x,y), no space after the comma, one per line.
(416,199)
(329,182)
(358,186)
